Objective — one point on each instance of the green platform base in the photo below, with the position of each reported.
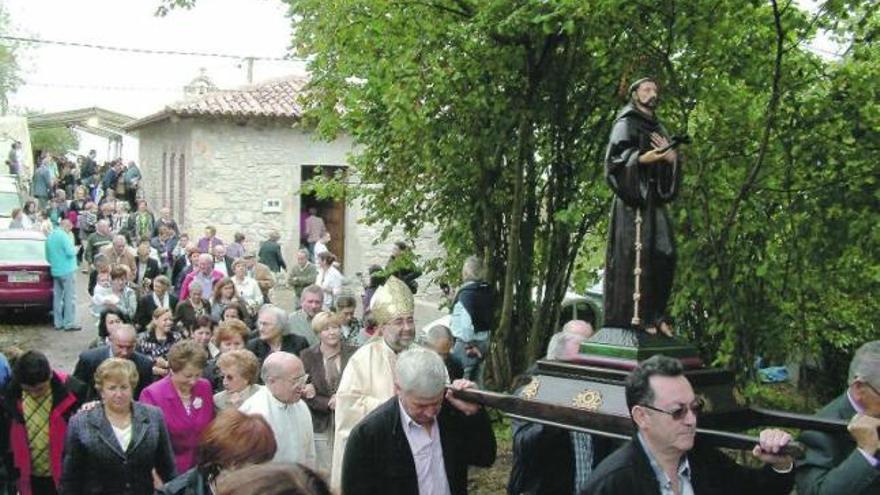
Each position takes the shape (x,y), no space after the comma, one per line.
(624,348)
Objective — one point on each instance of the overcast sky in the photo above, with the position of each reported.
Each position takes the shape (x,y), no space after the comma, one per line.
(58,78)
(65,78)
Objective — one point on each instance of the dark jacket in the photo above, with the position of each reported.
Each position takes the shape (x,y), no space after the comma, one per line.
(179,270)
(543,458)
(453,367)
(192,482)
(151,271)
(628,471)
(67,395)
(291,343)
(185,314)
(94,462)
(313,362)
(270,255)
(90,360)
(478,300)
(144,313)
(832,464)
(378,458)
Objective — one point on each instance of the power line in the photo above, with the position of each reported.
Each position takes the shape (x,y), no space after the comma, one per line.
(147,50)
(101,87)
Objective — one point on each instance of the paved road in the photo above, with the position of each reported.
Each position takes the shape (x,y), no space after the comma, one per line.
(35,331)
(32,330)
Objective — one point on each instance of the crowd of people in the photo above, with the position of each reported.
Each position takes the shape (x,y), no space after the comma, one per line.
(198,382)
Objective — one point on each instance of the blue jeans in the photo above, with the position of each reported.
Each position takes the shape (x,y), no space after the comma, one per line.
(64,301)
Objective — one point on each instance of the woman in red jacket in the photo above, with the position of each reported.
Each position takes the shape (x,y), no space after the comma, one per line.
(38,404)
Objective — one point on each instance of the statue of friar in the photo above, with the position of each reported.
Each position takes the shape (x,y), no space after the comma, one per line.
(644,171)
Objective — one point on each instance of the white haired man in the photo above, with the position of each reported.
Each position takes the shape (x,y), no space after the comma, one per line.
(847,463)
(421,441)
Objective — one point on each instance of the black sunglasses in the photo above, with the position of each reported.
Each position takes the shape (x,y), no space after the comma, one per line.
(681,411)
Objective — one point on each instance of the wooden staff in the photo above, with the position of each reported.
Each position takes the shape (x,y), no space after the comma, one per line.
(637,272)
(576,419)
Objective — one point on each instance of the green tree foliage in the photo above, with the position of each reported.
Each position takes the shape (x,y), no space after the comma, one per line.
(9,70)
(55,140)
(488,119)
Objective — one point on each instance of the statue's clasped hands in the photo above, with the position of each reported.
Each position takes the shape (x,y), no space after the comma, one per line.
(654,156)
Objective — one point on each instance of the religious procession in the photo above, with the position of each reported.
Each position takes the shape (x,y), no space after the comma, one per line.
(450,248)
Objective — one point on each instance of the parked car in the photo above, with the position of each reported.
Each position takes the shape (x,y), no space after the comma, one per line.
(588,307)
(25,280)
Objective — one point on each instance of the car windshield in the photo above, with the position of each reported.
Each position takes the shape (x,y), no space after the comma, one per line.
(22,251)
(8,202)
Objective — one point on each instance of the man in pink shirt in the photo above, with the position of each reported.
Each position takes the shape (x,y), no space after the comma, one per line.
(206,274)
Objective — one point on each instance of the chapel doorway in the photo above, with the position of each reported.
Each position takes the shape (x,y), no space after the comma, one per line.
(330,210)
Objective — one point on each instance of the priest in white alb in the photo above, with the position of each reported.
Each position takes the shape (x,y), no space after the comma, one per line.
(368,379)
(279,402)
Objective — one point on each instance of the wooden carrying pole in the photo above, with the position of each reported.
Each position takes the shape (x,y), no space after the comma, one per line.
(576,419)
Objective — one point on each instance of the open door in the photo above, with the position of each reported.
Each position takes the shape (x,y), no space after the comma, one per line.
(332,211)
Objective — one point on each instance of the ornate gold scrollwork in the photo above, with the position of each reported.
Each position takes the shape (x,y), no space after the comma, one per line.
(588,400)
(530,391)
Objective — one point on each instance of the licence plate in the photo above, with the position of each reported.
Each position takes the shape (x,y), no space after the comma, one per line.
(24,278)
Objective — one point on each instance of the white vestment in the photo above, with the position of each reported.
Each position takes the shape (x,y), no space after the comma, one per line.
(291,424)
(367,382)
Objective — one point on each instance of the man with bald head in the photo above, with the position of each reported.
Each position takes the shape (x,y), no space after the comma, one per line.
(123,340)
(440,340)
(575,454)
(566,344)
(279,403)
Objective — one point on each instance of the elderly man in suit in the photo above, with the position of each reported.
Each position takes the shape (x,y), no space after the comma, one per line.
(847,464)
(420,441)
(122,344)
(118,253)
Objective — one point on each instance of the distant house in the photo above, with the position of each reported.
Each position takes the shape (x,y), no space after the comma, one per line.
(235,159)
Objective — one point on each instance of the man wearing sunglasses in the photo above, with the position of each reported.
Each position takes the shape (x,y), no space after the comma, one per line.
(662,459)
(847,463)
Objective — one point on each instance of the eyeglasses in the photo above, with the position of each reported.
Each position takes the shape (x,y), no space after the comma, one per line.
(296,381)
(873,388)
(681,411)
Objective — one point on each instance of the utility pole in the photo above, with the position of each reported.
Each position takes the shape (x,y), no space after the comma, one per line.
(250,69)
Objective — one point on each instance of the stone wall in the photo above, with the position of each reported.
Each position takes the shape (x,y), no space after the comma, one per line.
(231,168)
(157,145)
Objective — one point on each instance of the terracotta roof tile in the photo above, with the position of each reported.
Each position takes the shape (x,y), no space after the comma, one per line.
(277,98)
